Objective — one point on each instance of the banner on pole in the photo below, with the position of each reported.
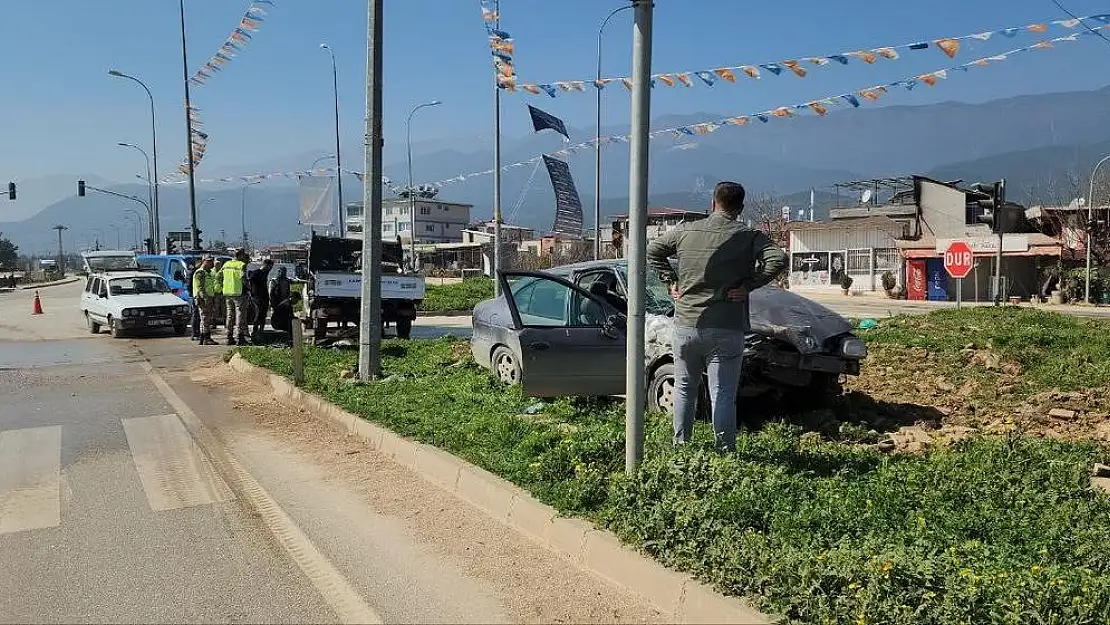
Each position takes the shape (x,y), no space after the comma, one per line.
(568,206)
(317,201)
(542,120)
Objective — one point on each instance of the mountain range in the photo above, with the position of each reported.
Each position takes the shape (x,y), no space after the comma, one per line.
(1044,145)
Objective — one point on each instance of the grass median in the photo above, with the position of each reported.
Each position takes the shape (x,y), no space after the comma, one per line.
(999,529)
(461,296)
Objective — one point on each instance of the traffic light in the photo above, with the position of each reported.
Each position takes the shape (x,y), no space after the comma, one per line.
(200,246)
(11,190)
(148,244)
(80,188)
(999,215)
(170,247)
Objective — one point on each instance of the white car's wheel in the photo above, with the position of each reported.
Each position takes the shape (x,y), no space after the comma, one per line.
(506,366)
(661,391)
(94,327)
(113,327)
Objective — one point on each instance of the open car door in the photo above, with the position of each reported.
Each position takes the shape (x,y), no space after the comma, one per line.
(571,343)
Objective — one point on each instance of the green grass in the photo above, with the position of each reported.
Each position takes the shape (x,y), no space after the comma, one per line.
(1001,530)
(461,296)
(1053,350)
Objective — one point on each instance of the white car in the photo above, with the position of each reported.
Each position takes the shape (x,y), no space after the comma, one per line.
(132,300)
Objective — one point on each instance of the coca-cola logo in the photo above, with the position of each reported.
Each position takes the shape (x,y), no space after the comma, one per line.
(917,278)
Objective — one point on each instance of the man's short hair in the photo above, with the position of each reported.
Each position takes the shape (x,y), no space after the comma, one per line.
(729,197)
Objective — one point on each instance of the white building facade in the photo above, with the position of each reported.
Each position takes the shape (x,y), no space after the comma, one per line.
(436,221)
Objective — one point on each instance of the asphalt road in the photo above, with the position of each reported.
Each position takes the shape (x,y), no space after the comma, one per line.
(139,482)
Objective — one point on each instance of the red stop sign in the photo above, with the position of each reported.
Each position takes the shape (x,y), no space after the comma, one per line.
(958,259)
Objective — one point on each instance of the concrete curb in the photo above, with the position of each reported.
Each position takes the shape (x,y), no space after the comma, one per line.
(31,287)
(583,544)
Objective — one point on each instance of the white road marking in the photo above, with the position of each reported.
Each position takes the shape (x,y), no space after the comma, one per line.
(173,470)
(336,590)
(30,491)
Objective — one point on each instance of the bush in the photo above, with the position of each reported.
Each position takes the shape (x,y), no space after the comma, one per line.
(989,531)
(889,281)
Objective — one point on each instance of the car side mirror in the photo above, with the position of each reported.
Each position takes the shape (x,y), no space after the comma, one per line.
(178,276)
(611,328)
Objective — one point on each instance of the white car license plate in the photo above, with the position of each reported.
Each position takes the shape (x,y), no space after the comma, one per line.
(160,322)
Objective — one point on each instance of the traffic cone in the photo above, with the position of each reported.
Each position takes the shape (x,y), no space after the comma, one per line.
(37,308)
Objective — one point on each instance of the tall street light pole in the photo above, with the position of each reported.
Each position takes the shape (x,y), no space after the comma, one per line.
(370,320)
(149,189)
(189,135)
(637,229)
(597,138)
(1090,222)
(243,214)
(338,156)
(412,189)
(156,225)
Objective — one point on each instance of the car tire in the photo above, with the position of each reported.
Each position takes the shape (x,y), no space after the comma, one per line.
(661,389)
(319,330)
(506,366)
(661,393)
(404,329)
(116,331)
(180,330)
(94,327)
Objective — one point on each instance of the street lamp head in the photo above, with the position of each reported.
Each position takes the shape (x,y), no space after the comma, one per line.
(435,103)
(325,46)
(116,73)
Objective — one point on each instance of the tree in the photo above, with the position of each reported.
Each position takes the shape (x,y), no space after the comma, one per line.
(9,252)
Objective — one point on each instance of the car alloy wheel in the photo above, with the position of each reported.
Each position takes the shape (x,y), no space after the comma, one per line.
(505,366)
(661,390)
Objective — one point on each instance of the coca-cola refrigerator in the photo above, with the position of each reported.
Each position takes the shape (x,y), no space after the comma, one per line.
(917,279)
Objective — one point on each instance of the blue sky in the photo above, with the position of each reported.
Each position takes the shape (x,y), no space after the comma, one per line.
(61,113)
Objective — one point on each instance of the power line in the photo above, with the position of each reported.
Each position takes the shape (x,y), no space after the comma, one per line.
(1075,17)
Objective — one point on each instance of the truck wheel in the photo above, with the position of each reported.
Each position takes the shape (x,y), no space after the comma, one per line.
(319,330)
(404,329)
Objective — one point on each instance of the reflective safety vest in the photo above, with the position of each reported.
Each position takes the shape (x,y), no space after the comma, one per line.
(204,285)
(233,278)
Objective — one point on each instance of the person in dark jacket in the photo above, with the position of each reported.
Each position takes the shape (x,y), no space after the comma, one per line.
(281,296)
(194,323)
(720,261)
(259,287)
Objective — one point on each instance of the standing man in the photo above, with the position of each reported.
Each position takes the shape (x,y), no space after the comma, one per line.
(281,296)
(191,266)
(720,262)
(204,298)
(235,297)
(259,285)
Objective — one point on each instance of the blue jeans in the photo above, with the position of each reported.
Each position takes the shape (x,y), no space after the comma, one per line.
(720,354)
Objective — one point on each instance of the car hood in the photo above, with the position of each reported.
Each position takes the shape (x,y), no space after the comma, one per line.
(148,300)
(774,310)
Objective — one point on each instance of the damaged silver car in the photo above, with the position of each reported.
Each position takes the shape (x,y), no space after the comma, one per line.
(562,332)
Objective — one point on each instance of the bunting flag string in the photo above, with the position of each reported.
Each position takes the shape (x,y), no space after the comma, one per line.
(248,24)
(950,46)
(501,44)
(821,107)
(289,175)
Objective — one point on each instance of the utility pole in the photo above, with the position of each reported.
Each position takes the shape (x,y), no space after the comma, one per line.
(370,320)
(1090,228)
(189,135)
(497,172)
(1000,203)
(635,394)
(61,252)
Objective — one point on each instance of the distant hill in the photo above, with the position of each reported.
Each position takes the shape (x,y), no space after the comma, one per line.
(1029,140)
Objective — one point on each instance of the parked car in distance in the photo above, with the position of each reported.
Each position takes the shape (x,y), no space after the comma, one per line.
(96,261)
(562,332)
(127,301)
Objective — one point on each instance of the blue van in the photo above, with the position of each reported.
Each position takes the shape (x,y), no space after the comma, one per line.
(172,268)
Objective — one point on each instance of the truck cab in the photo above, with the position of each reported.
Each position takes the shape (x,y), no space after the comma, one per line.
(172,268)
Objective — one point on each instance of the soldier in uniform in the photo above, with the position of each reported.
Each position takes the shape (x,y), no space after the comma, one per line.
(204,295)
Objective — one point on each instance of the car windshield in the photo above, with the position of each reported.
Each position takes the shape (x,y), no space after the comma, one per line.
(658,301)
(137,286)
